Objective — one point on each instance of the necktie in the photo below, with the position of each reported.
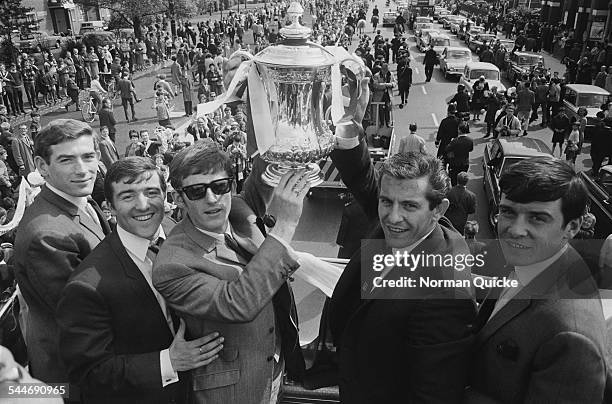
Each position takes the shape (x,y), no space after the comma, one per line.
(152,252)
(232,244)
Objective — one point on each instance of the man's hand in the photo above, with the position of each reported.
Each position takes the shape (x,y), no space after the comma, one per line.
(287,203)
(187,355)
(363,89)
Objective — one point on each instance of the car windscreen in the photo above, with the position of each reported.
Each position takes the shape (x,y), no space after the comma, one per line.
(509,162)
(458,54)
(591,100)
(488,74)
(440,42)
(529,60)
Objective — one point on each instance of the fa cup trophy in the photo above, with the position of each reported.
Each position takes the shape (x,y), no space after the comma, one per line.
(287,85)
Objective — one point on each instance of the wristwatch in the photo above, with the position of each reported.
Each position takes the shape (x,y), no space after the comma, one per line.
(269,220)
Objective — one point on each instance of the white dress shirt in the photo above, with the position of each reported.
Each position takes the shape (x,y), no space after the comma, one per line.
(137,248)
(524,275)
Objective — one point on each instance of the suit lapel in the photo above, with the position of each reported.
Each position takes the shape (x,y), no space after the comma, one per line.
(137,281)
(210,244)
(512,309)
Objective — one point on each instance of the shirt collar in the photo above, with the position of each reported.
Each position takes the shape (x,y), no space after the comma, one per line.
(409,248)
(137,245)
(528,273)
(78,201)
(217,236)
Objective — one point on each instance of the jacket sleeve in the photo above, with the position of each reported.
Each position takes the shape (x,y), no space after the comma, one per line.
(569,368)
(192,292)
(86,346)
(357,172)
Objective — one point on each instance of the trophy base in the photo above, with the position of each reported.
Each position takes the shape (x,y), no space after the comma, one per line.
(274,172)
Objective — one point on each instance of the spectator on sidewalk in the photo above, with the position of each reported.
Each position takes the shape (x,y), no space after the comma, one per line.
(107,118)
(600,79)
(412,142)
(97,91)
(126,88)
(15,89)
(187,93)
(23,151)
(34,125)
(458,153)
(108,151)
(73,92)
(525,101)
(134,145)
(560,125)
(462,202)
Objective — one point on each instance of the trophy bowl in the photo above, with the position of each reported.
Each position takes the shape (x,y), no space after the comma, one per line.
(295,81)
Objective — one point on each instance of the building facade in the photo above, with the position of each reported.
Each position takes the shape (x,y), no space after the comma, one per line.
(60,16)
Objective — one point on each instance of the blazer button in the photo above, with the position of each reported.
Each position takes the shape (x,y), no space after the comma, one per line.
(271,330)
(269,358)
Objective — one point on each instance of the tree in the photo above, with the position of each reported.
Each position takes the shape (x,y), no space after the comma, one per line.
(12,18)
(136,12)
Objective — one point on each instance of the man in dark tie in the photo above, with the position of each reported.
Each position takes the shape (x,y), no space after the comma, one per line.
(542,337)
(220,273)
(56,233)
(116,332)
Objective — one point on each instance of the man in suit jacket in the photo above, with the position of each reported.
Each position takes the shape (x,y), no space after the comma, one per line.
(107,118)
(400,344)
(220,274)
(108,151)
(448,130)
(458,153)
(23,151)
(116,332)
(543,338)
(56,233)
(148,147)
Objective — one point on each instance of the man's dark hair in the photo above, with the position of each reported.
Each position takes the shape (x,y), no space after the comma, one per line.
(545,179)
(413,165)
(60,131)
(200,158)
(130,170)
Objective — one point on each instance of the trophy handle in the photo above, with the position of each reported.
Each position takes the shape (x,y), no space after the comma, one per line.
(355,71)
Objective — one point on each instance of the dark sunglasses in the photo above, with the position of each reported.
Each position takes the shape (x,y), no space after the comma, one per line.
(198,191)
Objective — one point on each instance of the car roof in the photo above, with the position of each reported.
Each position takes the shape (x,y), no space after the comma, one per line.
(482,65)
(458,48)
(524,147)
(437,34)
(587,88)
(390,13)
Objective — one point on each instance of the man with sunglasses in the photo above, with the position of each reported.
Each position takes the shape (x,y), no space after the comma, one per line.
(220,273)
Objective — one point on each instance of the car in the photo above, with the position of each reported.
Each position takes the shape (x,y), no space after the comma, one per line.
(440,11)
(600,199)
(520,63)
(478,41)
(455,26)
(588,96)
(439,42)
(29,42)
(466,35)
(473,71)
(423,19)
(91,26)
(499,155)
(388,18)
(423,41)
(443,18)
(451,19)
(420,26)
(453,60)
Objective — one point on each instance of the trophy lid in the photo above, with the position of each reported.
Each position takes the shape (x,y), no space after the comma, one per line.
(295,50)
